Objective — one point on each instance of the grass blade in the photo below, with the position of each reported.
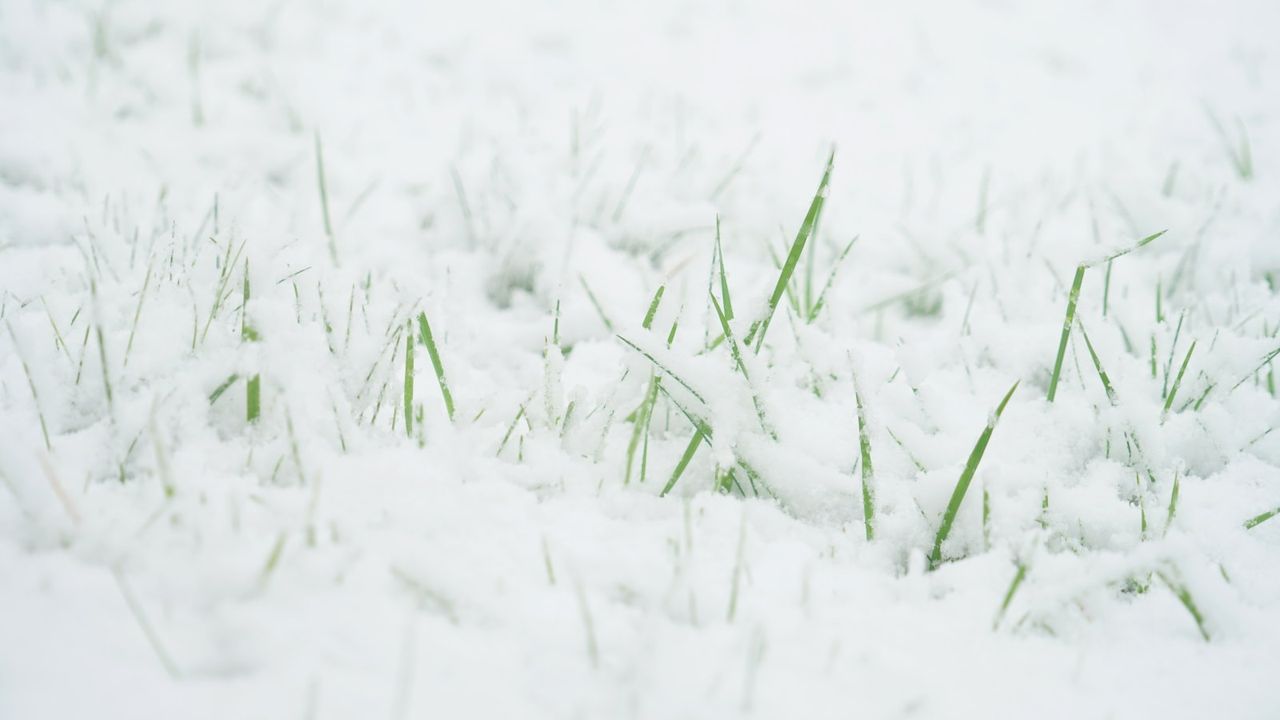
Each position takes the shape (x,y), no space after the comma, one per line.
(1018,577)
(253,387)
(966,476)
(742,367)
(1257,520)
(1177,380)
(596,304)
(689,451)
(1121,253)
(663,368)
(864,444)
(424,329)
(1072,298)
(831,278)
(1184,597)
(1173,503)
(324,200)
(653,307)
(724,281)
(408,381)
(760,327)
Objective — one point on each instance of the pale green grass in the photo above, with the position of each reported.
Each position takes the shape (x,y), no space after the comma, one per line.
(408,381)
(966,476)
(1073,298)
(758,329)
(864,446)
(424,329)
(253,387)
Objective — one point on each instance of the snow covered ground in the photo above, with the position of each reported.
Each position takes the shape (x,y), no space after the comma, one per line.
(224,227)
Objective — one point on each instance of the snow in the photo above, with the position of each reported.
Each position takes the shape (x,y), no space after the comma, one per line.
(494,165)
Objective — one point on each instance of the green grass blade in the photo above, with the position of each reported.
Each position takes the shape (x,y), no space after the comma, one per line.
(758,330)
(1184,597)
(217,392)
(408,381)
(424,329)
(663,368)
(510,429)
(689,451)
(596,304)
(724,280)
(1266,359)
(864,444)
(137,314)
(1173,503)
(831,278)
(966,476)
(643,414)
(1121,253)
(1097,364)
(653,307)
(1257,520)
(253,388)
(1177,380)
(1072,298)
(640,424)
(742,367)
(324,200)
(1018,577)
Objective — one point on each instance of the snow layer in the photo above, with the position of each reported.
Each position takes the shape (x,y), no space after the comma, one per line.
(528,174)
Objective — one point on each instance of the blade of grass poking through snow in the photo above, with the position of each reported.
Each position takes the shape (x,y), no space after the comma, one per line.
(1136,246)
(1177,380)
(31,383)
(831,278)
(724,280)
(1113,398)
(1268,358)
(408,381)
(424,328)
(653,307)
(742,367)
(217,392)
(137,314)
(966,476)
(701,432)
(864,444)
(760,327)
(1173,502)
(253,388)
(1184,597)
(1097,365)
(596,304)
(1018,577)
(644,413)
(663,368)
(1257,520)
(1072,298)
(324,200)
(685,457)
(511,428)
(1173,348)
